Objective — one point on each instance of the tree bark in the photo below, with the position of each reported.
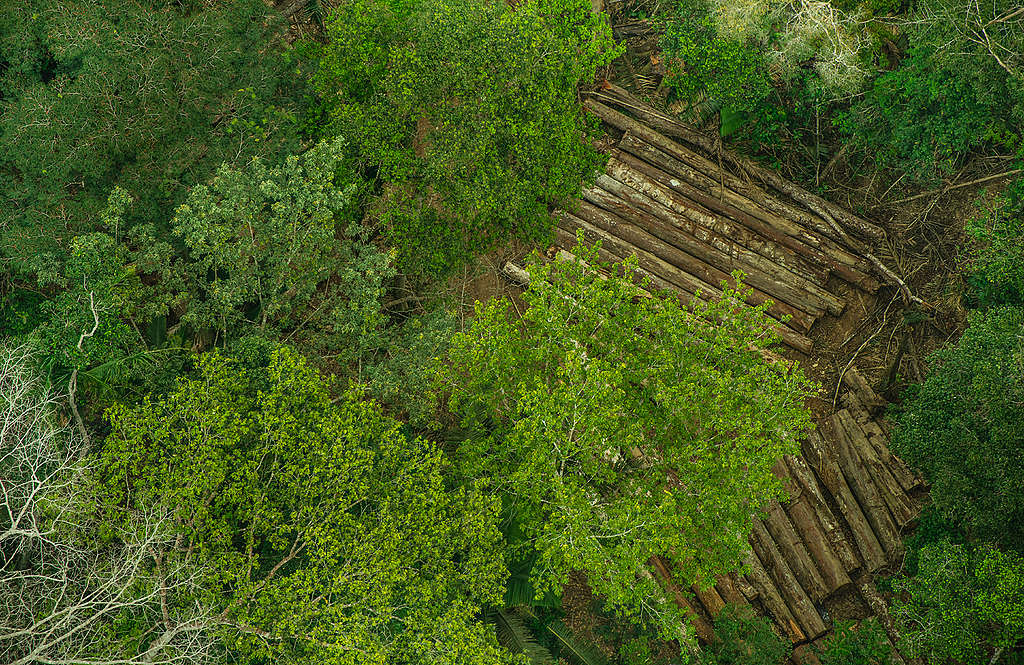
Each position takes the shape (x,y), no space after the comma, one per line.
(823,460)
(821,207)
(811,490)
(772,600)
(795,552)
(721,254)
(727,253)
(729,220)
(565,235)
(904,510)
(863,486)
(803,515)
(755,216)
(797,599)
(702,260)
(594,221)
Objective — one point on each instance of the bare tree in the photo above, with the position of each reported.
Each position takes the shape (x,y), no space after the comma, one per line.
(66,596)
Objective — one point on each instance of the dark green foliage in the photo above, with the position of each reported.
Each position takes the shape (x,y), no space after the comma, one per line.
(467,113)
(922,118)
(852,644)
(962,428)
(964,604)
(721,72)
(997,256)
(148,96)
(960,86)
(277,250)
(744,639)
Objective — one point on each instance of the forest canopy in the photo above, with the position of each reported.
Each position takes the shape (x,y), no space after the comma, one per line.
(275,388)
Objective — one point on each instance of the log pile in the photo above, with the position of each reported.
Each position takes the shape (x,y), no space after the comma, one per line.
(692,213)
(692,222)
(849,500)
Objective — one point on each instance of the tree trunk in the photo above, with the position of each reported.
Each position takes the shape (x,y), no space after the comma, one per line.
(628,239)
(772,600)
(705,261)
(821,207)
(864,488)
(729,255)
(812,495)
(656,270)
(903,508)
(804,519)
(729,220)
(795,552)
(823,461)
(800,604)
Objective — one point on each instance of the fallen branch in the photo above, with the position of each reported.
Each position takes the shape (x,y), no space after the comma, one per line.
(950,188)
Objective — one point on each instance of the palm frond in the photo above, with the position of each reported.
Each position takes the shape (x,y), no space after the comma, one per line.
(513,634)
(572,649)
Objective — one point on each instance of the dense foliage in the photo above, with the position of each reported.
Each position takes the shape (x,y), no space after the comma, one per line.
(850,644)
(243,419)
(467,112)
(616,426)
(325,532)
(150,96)
(997,256)
(962,428)
(963,604)
(745,639)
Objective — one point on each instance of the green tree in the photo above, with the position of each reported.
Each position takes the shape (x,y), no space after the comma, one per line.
(964,604)
(962,428)
(278,251)
(151,96)
(743,638)
(273,252)
(326,534)
(997,255)
(620,427)
(960,86)
(850,644)
(467,112)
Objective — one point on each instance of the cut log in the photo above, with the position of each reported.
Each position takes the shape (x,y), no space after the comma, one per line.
(704,261)
(700,625)
(686,179)
(823,459)
(710,599)
(625,239)
(863,486)
(731,220)
(699,224)
(745,587)
(728,591)
(797,599)
(773,601)
(793,219)
(658,272)
(804,519)
(795,552)
(713,145)
(903,509)
(871,400)
(812,496)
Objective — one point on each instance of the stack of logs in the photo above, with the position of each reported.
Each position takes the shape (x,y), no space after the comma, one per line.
(849,500)
(692,223)
(692,213)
